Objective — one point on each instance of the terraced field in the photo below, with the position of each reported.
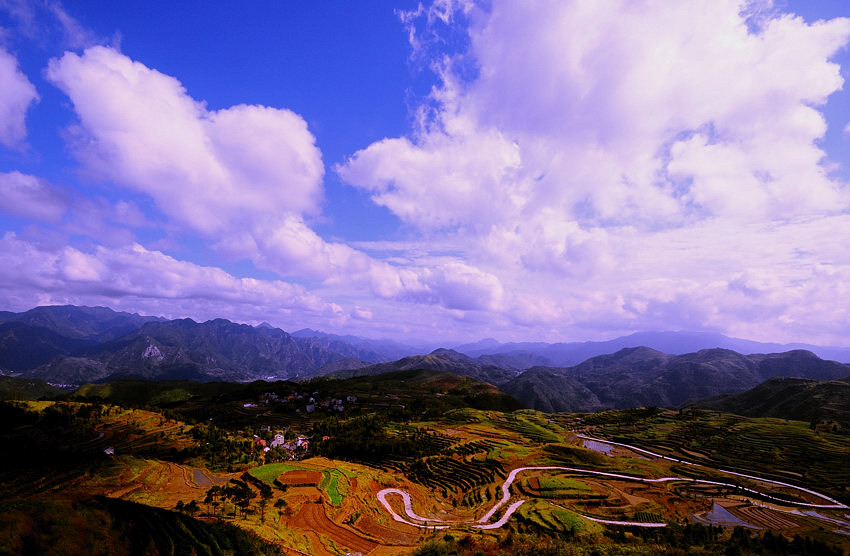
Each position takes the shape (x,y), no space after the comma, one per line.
(312,517)
(779,449)
(480,473)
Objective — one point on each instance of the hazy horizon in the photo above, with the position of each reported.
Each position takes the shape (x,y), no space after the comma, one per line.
(684,338)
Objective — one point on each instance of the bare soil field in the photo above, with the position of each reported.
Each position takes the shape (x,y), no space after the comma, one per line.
(300,477)
(400,534)
(312,517)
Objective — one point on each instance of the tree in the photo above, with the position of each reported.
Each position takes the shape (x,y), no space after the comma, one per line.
(211,498)
(265,496)
(280,504)
(191,508)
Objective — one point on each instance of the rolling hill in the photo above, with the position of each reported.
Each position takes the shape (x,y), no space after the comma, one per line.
(566,354)
(631,377)
(635,377)
(77,345)
(800,399)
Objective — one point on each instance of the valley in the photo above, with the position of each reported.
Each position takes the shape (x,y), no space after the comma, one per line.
(234,439)
(403,477)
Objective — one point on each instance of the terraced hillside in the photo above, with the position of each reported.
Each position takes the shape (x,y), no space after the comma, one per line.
(410,468)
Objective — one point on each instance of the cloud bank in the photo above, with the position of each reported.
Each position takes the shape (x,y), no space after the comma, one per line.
(564,131)
(580,170)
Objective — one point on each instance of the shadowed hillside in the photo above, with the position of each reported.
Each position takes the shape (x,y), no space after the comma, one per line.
(818,402)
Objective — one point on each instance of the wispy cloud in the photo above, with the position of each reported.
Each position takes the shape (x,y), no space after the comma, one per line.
(16,96)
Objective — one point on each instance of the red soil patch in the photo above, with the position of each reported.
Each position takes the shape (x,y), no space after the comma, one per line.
(375,487)
(313,518)
(407,536)
(301,477)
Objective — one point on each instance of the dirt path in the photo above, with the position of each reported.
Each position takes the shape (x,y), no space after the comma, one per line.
(399,535)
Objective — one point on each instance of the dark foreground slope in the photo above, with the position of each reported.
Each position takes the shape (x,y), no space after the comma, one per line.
(100,525)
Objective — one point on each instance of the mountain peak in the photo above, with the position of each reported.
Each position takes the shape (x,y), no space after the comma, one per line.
(450,354)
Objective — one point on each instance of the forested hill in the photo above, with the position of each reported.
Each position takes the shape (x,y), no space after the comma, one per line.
(825,403)
(636,377)
(212,350)
(632,377)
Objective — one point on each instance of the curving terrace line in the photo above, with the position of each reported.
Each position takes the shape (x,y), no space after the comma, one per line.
(835,504)
(408,509)
(481,523)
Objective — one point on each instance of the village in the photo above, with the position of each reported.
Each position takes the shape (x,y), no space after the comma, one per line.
(280,445)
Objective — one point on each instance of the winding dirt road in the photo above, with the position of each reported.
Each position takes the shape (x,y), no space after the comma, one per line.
(482,523)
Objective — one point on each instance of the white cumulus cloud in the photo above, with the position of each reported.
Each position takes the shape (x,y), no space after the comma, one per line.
(16,96)
(571,146)
(212,171)
(245,178)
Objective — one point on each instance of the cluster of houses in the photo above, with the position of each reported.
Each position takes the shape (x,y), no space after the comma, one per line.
(311,403)
(295,448)
(335,404)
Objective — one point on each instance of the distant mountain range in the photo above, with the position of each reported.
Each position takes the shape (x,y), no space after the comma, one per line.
(573,353)
(631,377)
(75,345)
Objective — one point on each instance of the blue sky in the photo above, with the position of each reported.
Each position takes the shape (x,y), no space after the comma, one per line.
(548,170)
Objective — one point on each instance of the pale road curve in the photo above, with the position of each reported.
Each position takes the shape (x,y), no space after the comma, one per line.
(504,519)
(506,495)
(835,503)
(408,508)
